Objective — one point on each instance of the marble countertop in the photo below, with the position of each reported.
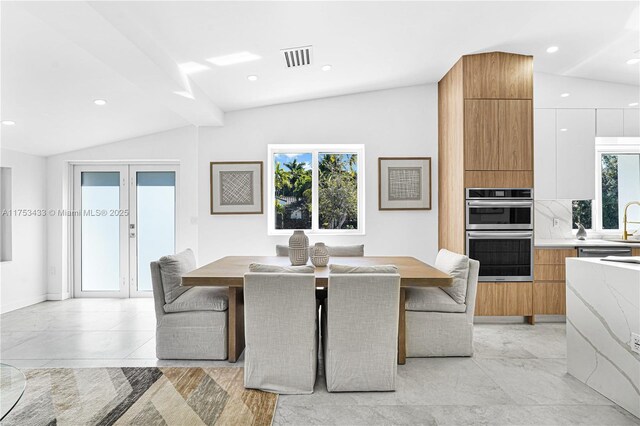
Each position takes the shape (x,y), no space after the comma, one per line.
(602,316)
(572,242)
(606,263)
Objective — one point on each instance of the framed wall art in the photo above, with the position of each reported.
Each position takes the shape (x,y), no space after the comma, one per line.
(404,183)
(236,187)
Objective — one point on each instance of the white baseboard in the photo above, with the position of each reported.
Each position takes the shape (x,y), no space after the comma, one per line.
(22,303)
(58,296)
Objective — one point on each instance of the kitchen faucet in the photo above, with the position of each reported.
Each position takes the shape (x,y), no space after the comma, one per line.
(625,234)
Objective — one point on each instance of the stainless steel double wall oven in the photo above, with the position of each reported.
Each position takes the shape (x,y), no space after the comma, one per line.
(500,232)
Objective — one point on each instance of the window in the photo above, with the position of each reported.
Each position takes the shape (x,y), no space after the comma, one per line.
(318,188)
(582,211)
(617,183)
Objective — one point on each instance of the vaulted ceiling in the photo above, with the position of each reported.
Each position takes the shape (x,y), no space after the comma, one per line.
(58,57)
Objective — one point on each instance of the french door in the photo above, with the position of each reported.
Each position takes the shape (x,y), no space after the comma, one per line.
(124,218)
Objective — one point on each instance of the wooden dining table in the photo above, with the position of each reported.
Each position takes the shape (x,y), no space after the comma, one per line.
(229,272)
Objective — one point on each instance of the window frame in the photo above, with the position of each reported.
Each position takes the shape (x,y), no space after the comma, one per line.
(315,150)
(616,146)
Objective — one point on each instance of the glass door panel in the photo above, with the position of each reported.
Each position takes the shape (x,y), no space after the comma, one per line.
(153,233)
(100,231)
(124,218)
(100,197)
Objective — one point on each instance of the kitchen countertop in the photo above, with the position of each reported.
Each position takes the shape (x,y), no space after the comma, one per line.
(571,242)
(602,316)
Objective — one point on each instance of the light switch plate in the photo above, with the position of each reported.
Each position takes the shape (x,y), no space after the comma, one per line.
(635,342)
(556,222)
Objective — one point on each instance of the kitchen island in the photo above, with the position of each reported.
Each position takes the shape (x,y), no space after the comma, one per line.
(603,313)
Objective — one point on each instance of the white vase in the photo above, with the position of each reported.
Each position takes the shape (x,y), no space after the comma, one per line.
(320,255)
(298,248)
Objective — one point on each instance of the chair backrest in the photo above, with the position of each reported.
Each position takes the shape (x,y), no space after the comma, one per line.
(278,302)
(356,250)
(357,299)
(158,290)
(472,288)
(346,251)
(280,332)
(361,315)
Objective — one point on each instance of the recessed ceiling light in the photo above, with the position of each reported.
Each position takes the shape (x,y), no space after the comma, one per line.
(552,49)
(100,102)
(326,67)
(633,61)
(564,95)
(252,77)
(8,123)
(234,58)
(633,104)
(192,67)
(563,130)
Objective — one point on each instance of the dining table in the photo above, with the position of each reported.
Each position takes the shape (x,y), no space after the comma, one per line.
(229,272)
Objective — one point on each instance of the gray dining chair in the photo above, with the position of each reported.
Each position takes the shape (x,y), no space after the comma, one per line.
(356,250)
(360,328)
(439,321)
(191,322)
(280,319)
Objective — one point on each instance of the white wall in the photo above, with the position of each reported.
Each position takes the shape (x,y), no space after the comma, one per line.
(179,145)
(398,122)
(22,279)
(583,93)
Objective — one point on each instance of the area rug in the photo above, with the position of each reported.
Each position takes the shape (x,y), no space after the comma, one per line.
(140,396)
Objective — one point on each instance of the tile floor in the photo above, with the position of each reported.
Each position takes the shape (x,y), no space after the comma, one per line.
(517,376)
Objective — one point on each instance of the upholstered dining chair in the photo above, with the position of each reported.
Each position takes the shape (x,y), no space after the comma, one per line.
(360,328)
(439,321)
(191,322)
(356,250)
(280,321)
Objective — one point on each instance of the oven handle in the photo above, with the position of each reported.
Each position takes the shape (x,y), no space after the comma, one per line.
(500,235)
(500,203)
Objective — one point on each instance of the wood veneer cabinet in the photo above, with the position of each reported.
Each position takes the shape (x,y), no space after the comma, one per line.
(515,134)
(498,134)
(549,285)
(481,143)
(498,75)
(485,133)
(504,299)
(485,140)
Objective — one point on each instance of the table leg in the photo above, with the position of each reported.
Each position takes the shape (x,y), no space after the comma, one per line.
(402,330)
(235,327)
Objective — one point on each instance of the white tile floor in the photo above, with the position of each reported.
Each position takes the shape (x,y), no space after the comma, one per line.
(517,375)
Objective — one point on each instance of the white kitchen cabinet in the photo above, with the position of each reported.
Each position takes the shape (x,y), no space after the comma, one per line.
(632,122)
(609,122)
(575,154)
(544,134)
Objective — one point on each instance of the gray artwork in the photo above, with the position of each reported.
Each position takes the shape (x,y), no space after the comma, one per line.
(405,183)
(236,188)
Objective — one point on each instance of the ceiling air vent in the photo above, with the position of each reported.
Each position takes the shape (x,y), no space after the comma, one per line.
(297,56)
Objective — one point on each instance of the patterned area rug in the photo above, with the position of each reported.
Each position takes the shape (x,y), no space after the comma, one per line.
(140,396)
